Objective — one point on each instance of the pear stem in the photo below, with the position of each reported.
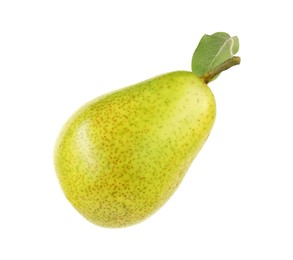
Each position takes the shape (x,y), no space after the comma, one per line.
(207,77)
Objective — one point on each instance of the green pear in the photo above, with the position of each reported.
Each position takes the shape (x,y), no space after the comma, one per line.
(121,156)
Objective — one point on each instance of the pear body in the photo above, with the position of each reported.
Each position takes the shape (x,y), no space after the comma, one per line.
(121,156)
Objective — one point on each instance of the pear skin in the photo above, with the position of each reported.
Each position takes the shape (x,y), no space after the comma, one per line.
(121,156)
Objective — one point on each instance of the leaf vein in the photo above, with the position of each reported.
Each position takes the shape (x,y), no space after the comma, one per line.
(219,51)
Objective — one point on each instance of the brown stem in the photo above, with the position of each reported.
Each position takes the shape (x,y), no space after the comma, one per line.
(207,77)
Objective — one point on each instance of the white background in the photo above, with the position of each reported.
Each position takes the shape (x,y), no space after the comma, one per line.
(236,201)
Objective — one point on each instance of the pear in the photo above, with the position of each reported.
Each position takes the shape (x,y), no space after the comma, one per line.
(121,156)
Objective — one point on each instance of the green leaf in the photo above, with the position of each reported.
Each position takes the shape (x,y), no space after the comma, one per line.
(213,50)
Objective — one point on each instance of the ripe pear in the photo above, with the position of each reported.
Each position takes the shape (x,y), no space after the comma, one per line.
(121,156)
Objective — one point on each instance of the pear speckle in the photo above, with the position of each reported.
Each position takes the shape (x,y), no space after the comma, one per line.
(120,157)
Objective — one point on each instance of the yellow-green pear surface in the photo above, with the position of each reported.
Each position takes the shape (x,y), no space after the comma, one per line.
(121,156)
